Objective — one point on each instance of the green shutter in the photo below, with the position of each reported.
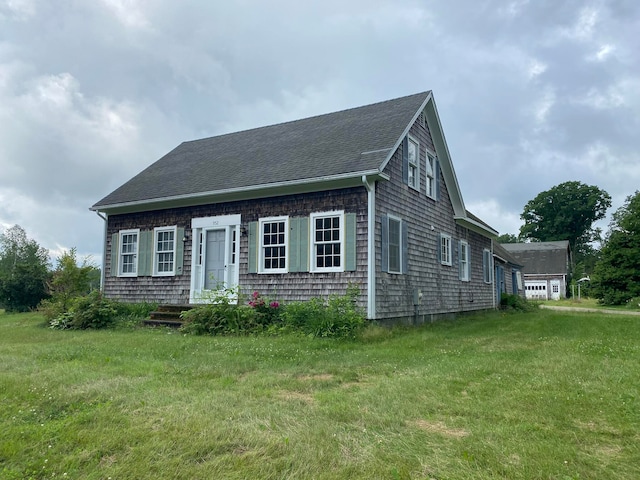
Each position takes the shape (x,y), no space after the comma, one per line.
(179,250)
(298,244)
(253,247)
(145,253)
(350,242)
(384,230)
(114,255)
(404,238)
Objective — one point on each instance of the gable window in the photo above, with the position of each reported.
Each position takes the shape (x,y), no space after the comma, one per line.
(486,266)
(274,234)
(327,242)
(431,178)
(128,256)
(445,249)
(414,162)
(464,261)
(164,251)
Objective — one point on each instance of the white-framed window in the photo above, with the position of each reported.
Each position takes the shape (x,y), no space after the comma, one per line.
(487,266)
(128,253)
(164,251)
(327,241)
(465,261)
(445,249)
(274,238)
(395,245)
(430,175)
(414,163)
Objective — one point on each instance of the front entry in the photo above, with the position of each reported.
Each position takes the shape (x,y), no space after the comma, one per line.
(214,259)
(214,256)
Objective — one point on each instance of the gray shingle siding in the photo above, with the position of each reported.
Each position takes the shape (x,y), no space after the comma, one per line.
(443,291)
(285,287)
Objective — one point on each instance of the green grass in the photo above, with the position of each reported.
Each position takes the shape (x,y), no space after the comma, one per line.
(589,303)
(547,395)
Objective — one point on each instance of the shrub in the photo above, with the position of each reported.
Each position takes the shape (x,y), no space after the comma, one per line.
(516,302)
(90,311)
(339,317)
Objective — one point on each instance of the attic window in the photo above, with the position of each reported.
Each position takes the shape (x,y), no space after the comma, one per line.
(414,159)
(431,177)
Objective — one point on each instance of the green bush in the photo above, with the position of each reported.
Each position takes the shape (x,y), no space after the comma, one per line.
(634,304)
(339,317)
(515,302)
(93,311)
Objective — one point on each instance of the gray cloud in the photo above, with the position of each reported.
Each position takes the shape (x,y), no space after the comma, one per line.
(530,93)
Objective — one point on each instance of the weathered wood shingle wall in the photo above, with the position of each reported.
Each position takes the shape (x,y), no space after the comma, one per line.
(284,287)
(443,292)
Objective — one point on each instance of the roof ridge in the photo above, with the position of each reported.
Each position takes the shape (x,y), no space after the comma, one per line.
(426,92)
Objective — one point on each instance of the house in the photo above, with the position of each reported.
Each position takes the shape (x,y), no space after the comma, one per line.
(546,267)
(364,196)
(508,273)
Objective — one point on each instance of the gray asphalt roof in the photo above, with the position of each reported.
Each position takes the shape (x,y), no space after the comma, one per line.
(541,257)
(339,143)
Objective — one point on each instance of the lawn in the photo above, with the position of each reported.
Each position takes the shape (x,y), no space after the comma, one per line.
(545,395)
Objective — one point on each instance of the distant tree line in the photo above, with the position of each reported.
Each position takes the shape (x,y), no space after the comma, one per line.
(26,278)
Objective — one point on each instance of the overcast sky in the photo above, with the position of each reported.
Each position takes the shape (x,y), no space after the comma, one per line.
(531,93)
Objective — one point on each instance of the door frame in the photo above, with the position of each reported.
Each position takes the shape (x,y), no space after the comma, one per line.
(230,224)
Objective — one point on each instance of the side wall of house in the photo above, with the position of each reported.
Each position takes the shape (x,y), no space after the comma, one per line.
(443,292)
(284,287)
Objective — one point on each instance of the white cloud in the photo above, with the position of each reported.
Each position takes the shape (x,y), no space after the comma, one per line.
(17,9)
(128,12)
(504,218)
(584,27)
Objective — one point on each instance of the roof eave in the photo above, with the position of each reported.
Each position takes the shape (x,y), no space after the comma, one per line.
(353,179)
(476,226)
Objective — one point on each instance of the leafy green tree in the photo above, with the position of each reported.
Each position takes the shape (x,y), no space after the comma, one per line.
(507,238)
(24,271)
(71,280)
(566,212)
(617,274)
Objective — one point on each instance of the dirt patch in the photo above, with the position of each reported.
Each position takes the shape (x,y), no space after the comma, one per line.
(439,427)
(297,396)
(322,377)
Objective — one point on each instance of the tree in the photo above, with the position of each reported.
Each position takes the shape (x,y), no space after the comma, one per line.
(24,271)
(507,238)
(566,212)
(617,274)
(71,280)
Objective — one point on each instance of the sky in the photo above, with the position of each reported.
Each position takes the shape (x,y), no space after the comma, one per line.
(530,93)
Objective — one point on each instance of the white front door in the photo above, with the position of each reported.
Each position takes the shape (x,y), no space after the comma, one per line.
(214,259)
(555,289)
(214,256)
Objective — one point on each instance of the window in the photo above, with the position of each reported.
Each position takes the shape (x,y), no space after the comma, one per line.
(414,162)
(327,238)
(431,177)
(464,261)
(445,249)
(395,264)
(486,266)
(164,247)
(128,261)
(274,234)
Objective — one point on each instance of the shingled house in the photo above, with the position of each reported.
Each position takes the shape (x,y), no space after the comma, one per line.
(546,267)
(364,196)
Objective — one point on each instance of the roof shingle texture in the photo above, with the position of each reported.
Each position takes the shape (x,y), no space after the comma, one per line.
(334,144)
(541,257)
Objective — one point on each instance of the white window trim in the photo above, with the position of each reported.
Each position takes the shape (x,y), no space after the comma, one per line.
(156,231)
(312,242)
(466,267)
(416,164)
(448,260)
(392,218)
(136,255)
(430,155)
(261,244)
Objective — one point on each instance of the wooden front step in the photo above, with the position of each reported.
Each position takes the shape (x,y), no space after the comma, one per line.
(167,316)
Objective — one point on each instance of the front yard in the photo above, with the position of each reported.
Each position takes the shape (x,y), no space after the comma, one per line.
(545,395)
